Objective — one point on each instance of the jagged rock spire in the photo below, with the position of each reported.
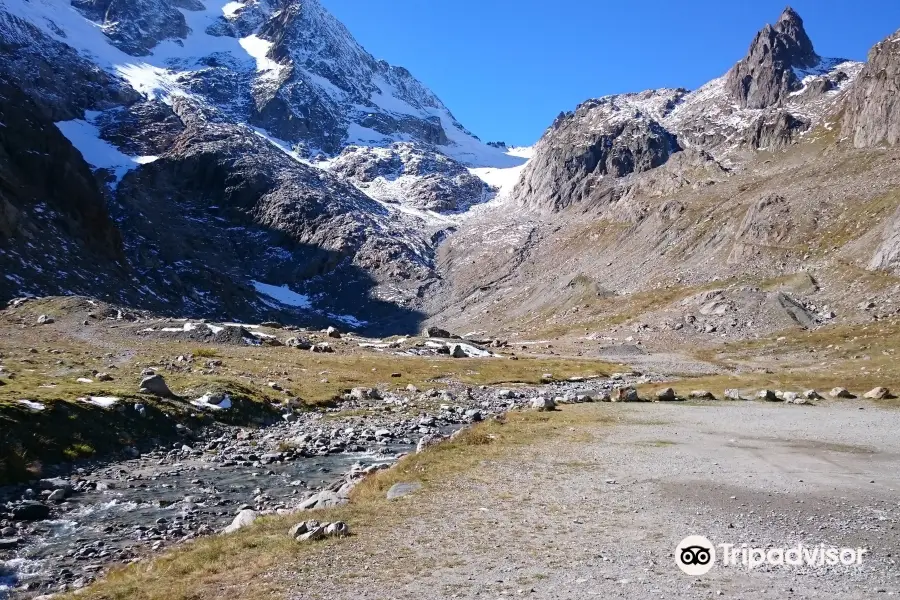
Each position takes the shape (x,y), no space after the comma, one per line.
(766,75)
(795,46)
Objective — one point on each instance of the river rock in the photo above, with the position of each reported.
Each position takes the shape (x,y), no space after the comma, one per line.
(58,495)
(361,393)
(430,440)
(323,499)
(30,511)
(541,403)
(156,385)
(625,394)
(337,529)
(666,395)
(401,489)
(243,519)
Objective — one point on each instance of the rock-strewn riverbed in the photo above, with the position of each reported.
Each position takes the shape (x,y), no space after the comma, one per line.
(60,534)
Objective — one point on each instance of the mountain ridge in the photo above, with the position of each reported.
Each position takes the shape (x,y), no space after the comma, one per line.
(264,126)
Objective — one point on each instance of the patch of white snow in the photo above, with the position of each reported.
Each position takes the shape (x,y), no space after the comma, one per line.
(283,295)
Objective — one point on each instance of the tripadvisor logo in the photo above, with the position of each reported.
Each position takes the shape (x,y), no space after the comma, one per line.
(696,555)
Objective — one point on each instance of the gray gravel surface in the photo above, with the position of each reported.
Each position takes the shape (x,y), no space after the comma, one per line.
(599,513)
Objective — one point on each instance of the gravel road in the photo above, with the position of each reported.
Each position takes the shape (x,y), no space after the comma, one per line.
(599,514)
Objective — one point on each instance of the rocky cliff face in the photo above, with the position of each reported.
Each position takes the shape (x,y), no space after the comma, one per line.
(137,27)
(872,110)
(55,230)
(606,138)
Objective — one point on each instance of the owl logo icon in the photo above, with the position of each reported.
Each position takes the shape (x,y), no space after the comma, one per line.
(695,555)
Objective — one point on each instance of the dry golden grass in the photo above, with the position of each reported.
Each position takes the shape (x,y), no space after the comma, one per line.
(236,566)
(315,378)
(48,368)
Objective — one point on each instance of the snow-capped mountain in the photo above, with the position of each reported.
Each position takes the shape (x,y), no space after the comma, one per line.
(212,126)
(287,67)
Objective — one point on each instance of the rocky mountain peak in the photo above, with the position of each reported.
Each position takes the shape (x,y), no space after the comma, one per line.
(778,58)
(794,42)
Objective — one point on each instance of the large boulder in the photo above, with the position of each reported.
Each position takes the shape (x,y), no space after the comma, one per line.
(155,385)
(879,393)
(436,332)
(625,394)
(666,395)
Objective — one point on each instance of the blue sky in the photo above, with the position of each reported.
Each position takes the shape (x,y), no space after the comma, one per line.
(506,68)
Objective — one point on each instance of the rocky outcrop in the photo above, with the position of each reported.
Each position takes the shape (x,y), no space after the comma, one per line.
(775,130)
(887,256)
(354,88)
(606,138)
(223,207)
(872,109)
(413,175)
(767,224)
(146,128)
(767,74)
(137,26)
